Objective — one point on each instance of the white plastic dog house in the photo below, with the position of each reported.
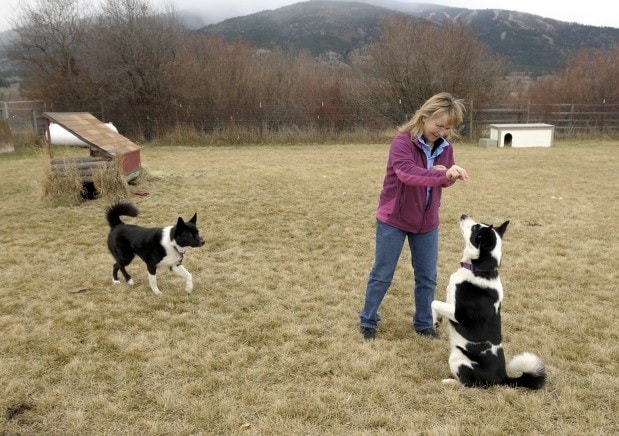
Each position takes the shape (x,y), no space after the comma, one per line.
(522,135)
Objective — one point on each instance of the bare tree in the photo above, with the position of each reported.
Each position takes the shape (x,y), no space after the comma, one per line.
(234,83)
(414,59)
(118,61)
(133,56)
(49,44)
(590,77)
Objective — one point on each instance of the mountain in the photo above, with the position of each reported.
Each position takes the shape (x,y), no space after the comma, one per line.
(529,42)
(317,26)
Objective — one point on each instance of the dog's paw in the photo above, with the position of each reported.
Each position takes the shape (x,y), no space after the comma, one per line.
(188,283)
(436,318)
(449,381)
(157,292)
(131,282)
(116,282)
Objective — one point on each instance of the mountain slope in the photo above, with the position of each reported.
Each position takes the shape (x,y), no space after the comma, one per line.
(315,25)
(529,42)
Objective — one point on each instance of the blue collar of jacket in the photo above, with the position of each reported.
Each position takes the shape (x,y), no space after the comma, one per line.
(432,150)
(430,153)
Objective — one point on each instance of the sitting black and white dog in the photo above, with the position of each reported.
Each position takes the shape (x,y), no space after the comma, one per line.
(473,309)
(160,246)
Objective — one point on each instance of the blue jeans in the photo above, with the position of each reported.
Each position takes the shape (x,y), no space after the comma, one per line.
(424,254)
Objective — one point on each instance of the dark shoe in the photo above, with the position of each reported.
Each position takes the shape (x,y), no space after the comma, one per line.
(429,333)
(369,333)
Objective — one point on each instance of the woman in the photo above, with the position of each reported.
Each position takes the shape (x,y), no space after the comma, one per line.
(420,165)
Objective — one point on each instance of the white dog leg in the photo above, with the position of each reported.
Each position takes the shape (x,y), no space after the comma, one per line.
(152,281)
(182,272)
(443,310)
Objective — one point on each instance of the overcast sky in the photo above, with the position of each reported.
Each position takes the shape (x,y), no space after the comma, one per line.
(591,12)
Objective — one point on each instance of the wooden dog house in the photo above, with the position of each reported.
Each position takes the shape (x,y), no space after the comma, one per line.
(104,144)
(520,135)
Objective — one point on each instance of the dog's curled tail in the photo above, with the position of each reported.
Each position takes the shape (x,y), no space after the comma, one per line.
(115,211)
(533,372)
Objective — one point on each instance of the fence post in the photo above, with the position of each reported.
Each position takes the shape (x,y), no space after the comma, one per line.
(471,121)
(261,120)
(35,126)
(4,115)
(603,116)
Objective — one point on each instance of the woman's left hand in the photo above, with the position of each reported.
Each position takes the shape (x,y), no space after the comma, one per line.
(455,172)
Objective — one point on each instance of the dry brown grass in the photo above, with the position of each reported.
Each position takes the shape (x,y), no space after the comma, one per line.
(257,134)
(109,181)
(268,343)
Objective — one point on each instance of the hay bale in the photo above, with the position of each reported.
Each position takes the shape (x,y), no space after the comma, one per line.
(69,181)
(65,187)
(109,181)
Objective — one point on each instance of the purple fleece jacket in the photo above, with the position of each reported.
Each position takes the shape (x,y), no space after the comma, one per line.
(402,202)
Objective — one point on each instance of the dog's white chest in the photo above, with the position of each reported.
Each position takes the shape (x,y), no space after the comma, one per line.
(173,256)
(462,275)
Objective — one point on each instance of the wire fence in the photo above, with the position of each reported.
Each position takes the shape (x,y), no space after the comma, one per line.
(570,120)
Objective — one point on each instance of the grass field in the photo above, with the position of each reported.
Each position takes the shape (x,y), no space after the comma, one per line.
(268,344)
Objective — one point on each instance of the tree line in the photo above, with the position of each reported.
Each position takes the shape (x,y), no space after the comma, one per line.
(134,63)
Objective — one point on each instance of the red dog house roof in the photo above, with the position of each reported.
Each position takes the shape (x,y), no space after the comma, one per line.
(102,140)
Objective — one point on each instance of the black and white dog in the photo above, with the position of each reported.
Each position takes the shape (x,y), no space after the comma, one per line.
(473,309)
(161,246)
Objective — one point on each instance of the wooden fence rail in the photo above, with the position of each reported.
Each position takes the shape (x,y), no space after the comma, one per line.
(570,120)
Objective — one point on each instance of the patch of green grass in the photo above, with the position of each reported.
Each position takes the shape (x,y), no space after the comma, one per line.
(268,343)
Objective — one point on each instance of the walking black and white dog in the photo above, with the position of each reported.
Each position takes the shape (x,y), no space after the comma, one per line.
(160,246)
(473,309)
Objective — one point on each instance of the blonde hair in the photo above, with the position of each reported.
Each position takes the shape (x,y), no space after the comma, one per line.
(438,104)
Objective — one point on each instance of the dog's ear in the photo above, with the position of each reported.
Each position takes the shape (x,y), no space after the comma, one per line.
(180,222)
(194,218)
(501,229)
